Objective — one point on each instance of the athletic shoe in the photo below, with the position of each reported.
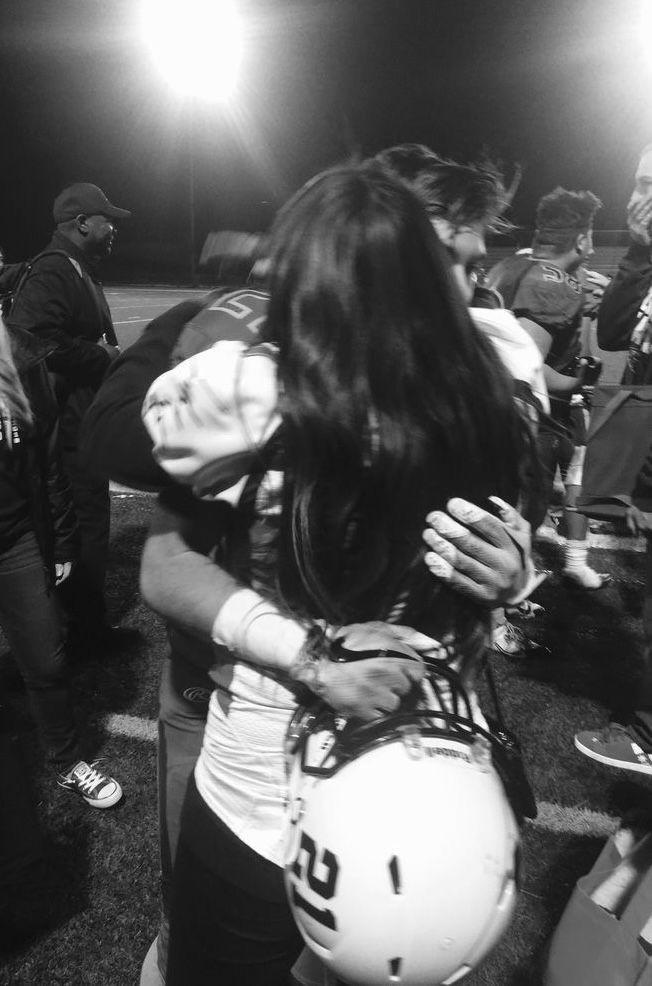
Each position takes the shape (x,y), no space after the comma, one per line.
(586,578)
(617,746)
(95,787)
(513,642)
(527,610)
(549,534)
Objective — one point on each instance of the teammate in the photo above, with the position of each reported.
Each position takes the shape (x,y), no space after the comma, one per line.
(465,202)
(624,325)
(542,290)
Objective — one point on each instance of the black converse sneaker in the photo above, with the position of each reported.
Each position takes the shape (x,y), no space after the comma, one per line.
(96,788)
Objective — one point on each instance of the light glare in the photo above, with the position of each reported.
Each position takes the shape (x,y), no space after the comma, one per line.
(196,44)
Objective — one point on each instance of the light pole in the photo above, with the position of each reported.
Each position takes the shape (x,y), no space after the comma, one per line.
(182,38)
(192,210)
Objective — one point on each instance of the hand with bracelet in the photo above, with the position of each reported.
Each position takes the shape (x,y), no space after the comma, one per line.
(387,667)
(364,670)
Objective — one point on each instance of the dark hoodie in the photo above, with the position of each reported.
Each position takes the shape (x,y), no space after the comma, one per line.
(34,494)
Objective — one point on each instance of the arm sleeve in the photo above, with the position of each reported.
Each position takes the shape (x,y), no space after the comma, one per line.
(551,303)
(178,577)
(179,581)
(44,305)
(619,309)
(208,416)
(114,442)
(66,539)
(59,494)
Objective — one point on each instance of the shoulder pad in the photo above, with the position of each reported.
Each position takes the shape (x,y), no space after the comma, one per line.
(235,316)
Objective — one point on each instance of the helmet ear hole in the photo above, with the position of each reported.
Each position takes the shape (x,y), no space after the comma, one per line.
(402,863)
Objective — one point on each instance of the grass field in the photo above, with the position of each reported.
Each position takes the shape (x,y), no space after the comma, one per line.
(100,893)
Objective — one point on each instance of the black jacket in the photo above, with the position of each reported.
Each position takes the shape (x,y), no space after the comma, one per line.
(113,441)
(619,310)
(42,480)
(63,303)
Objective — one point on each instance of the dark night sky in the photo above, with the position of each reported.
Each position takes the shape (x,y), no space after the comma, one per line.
(561,86)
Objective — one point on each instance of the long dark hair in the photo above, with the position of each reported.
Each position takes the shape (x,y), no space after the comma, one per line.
(391,400)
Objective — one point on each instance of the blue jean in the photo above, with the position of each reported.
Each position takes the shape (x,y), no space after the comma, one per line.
(30,620)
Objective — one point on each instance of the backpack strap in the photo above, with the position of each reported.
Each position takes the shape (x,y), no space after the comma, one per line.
(30,264)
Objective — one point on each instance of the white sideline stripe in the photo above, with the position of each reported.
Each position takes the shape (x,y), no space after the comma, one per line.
(118,490)
(552,817)
(132,727)
(574,821)
(610,542)
(607,542)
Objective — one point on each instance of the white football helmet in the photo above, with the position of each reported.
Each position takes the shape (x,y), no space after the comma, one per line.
(402,848)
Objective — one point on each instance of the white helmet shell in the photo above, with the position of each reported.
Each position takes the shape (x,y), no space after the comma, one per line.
(401,865)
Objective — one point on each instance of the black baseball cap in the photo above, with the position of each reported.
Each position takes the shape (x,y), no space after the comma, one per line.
(84,199)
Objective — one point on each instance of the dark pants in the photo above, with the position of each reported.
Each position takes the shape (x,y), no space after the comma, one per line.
(83,593)
(21,839)
(230,921)
(30,619)
(555,450)
(183,696)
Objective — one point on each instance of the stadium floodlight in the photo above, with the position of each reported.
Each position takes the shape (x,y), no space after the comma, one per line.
(196,44)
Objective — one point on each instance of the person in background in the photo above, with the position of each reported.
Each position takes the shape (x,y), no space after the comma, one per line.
(38,548)
(62,302)
(543,291)
(624,326)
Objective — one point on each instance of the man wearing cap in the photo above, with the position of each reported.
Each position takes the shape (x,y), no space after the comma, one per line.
(62,301)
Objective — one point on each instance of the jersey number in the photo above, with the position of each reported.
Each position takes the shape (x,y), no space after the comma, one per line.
(304,867)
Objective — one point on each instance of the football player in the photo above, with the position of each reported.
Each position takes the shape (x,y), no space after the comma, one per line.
(543,290)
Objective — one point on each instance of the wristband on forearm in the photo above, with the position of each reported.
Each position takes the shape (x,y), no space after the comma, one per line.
(254,629)
(308,665)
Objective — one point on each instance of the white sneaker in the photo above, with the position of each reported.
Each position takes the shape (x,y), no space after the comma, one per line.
(96,788)
(513,642)
(586,578)
(527,610)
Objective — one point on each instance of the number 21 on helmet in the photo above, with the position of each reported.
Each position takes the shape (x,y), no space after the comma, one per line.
(402,847)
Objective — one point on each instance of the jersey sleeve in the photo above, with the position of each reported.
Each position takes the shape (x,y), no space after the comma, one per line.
(549,297)
(236,315)
(209,415)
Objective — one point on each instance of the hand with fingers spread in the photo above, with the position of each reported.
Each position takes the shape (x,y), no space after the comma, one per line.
(639,219)
(486,558)
(637,522)
(363,681)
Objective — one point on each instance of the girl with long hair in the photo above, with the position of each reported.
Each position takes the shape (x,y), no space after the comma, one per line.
(371,400)
(38,544)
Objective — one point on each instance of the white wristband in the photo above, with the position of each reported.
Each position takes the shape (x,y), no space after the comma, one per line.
(253,628)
